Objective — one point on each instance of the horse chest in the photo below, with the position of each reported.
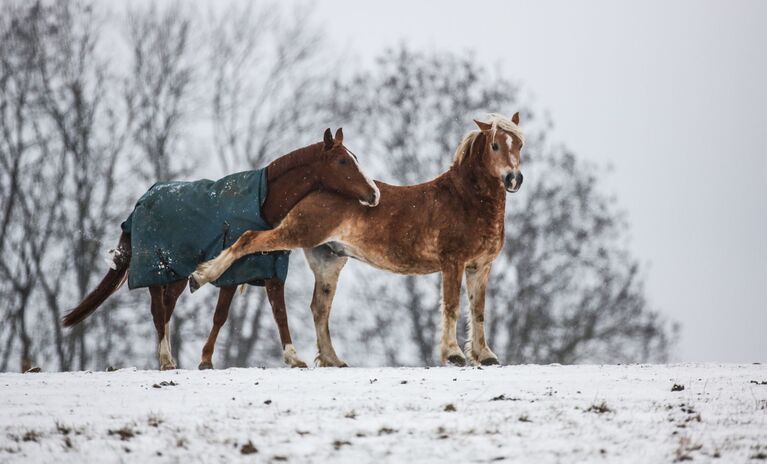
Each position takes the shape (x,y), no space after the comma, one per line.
(479,235)
(476,244)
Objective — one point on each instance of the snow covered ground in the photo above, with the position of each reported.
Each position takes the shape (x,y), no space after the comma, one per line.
(514,413)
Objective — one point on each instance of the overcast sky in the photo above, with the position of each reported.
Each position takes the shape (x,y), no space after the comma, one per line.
(672,94)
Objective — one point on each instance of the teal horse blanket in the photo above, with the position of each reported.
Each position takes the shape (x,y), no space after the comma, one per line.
(177,225)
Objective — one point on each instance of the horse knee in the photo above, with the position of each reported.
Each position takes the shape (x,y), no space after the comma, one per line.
(325,290)
(319,311)
(245,239)
(220,319)
(451,312)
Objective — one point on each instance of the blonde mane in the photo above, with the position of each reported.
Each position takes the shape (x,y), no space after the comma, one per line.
(497,121)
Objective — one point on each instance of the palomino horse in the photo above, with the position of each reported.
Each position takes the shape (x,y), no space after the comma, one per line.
(453,224)
(326,166)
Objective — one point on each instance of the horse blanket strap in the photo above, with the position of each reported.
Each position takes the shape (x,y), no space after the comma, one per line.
(177,225)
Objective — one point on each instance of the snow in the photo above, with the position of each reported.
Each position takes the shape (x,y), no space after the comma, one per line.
(526,413)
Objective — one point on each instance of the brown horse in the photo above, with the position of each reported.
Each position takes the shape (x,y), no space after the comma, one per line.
(326,166)
(453,224)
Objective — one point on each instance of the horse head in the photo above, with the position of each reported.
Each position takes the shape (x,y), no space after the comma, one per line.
(340,172)
(497,146)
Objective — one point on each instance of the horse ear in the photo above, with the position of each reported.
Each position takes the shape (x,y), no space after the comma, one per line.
(483,125)
(515,118)
(339,136)
(328,139)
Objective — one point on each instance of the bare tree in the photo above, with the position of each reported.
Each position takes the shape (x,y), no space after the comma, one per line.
(79,117)
(266,72)
(160,84)
(29,186)
(15,96)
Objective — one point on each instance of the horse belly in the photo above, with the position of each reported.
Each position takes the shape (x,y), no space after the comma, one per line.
(392,257)
(388,241)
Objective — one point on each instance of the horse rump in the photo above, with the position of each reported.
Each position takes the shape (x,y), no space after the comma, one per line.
(114,279)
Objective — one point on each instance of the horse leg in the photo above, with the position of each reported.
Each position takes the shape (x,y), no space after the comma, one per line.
(225,296)
(275,290)
(476,346)
(326,267)
(170,296)
(156,293)
(294,232)
(451,310)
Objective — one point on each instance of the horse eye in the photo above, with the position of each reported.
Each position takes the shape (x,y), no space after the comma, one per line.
(495,146)
(343,161)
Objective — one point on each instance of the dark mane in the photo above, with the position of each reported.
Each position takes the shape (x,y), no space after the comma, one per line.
(294,159)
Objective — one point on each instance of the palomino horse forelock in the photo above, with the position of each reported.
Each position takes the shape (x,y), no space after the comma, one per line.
(458,230)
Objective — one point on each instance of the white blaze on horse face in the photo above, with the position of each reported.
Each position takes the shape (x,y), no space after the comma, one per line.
(376,191)
(513,160)
(504,162)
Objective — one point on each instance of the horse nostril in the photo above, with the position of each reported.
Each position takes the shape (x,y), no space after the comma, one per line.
(373,199)
(519,179)
(509,178)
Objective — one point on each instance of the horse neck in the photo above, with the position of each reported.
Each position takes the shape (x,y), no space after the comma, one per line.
(477,188)
(294,159)
(289,179)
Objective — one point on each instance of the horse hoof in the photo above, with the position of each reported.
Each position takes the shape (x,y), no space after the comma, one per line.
(205,366)
(168,367)
(456,360)
(328,361)
(299,364)
(193,284)
(489,362)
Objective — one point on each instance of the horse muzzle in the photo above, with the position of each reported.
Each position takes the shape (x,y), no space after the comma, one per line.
(513,181)
(373,199)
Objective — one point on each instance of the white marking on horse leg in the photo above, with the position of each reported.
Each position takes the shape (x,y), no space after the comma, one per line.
(166,358)
(167,336)
(476,344)
(290,356)
(212,270)
(450,337)
(472,348)
(110,257)
(326,270)
(326,356)
(468,347)
(476,347)
(449,342)
(450,312)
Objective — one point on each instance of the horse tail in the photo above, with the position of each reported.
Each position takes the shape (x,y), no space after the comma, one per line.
(115,278)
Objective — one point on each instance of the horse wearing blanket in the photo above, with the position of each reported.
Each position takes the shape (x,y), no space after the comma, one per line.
(177,225)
